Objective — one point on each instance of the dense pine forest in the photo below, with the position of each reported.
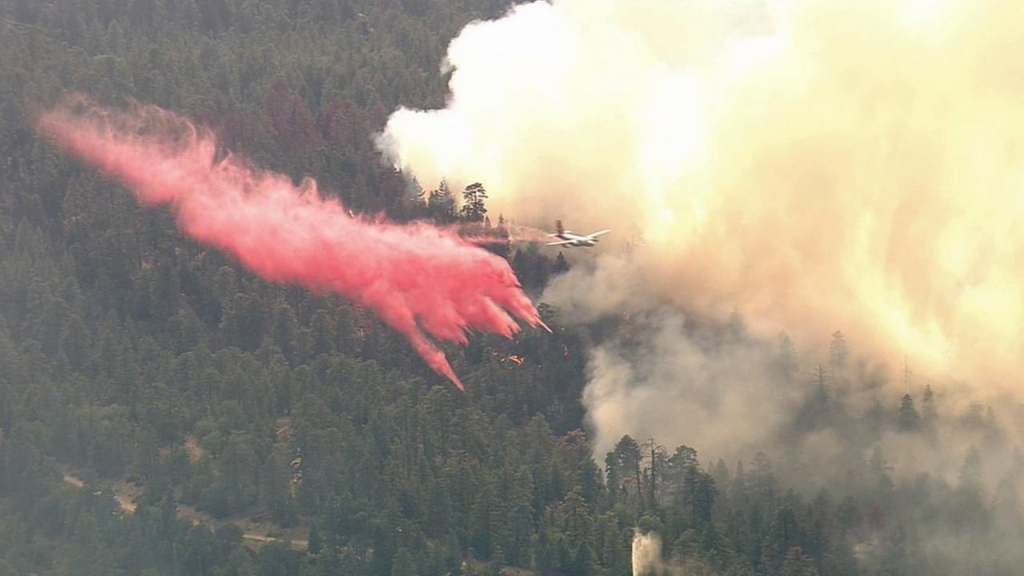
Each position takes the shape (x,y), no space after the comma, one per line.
(165,411)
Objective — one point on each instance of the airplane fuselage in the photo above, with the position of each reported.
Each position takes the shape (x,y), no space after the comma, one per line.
(576,240)
(571,240)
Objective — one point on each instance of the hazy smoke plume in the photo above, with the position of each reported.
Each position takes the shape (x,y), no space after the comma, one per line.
(419,279)
(647,559)
(646,554)
(656,380)
(812,164)
(660,376)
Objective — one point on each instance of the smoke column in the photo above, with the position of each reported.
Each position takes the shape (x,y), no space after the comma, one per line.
(647,561)
(812,164)
(646,554)
(419,279)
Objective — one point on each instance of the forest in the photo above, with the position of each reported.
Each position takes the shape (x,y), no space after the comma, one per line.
(163,411)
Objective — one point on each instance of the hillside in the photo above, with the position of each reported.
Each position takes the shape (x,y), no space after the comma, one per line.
(163,410)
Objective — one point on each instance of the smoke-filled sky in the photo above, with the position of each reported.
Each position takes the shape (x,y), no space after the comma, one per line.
(419,279)
(812,164)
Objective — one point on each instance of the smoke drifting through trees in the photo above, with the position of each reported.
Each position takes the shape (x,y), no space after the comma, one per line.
(647,555)
(418,278)
(831,425)
(812,164)
(683,378)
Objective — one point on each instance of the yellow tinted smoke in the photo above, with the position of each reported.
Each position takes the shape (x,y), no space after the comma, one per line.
(815,165)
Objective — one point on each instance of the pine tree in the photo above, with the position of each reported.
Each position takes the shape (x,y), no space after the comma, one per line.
(909,421)
(798,564)
(623,467)
(441,204)
(786,358)
(929,413)
(838,352)
(473,209)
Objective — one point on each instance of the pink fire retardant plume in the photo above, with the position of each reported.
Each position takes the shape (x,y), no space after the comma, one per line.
(419,279)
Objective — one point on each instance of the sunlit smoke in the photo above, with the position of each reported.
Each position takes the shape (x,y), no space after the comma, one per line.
(646,553)
(419,279)
(812,164)
(646,556)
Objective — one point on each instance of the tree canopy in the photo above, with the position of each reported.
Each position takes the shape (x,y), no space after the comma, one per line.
(163,411)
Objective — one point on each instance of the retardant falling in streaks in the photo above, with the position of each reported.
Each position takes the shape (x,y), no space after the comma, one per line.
(419,279)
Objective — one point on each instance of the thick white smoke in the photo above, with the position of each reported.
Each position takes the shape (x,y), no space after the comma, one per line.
(812,164)
(646,554)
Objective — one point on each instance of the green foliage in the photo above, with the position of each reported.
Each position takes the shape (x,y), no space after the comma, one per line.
(153,393)
(473,208)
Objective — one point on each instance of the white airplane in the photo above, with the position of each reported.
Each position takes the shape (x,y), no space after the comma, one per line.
(574,240)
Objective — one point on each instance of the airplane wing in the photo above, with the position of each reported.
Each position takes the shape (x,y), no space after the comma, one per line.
(562,243)
(596,234)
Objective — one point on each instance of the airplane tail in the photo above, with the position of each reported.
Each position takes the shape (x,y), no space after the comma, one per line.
(558,227)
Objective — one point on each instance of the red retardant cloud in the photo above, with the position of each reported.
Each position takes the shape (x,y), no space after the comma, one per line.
(417,278)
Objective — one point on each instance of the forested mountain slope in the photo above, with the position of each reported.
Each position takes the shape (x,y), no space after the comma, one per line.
(131,356)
